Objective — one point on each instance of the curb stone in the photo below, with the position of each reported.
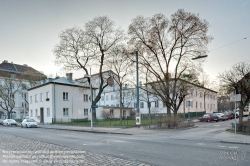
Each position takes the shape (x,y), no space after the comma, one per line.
(98,132)
(231,142)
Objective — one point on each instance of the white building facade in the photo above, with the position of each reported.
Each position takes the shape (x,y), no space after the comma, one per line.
(209,105)
(59,100)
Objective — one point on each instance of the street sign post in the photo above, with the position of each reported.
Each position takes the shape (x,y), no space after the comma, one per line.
(234,98)
(94,106)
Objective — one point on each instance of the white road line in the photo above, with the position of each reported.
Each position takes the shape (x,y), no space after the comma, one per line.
(221,146)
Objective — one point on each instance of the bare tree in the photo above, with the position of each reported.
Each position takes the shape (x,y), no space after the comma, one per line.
(81,49)
(8,90)
(166,45)
(120,63)
(238,79)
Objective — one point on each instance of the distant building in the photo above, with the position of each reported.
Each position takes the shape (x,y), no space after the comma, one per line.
(28,75)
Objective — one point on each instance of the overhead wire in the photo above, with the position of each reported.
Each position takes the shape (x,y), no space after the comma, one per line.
(230,43)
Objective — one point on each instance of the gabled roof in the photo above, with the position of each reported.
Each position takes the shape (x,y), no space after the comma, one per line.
(199,86)
(16,68)
(62,81)
(7,68)
(96,74)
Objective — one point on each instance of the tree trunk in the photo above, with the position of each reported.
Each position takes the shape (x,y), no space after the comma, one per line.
(175,115)
(205,104)
(240,119)
(9,115)
(93,115)
(121,104)
(149,112)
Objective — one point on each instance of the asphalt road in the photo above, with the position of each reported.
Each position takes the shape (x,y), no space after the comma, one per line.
(193,147)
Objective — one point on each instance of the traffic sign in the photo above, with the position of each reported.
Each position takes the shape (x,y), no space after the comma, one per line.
(94,106)
(235,97)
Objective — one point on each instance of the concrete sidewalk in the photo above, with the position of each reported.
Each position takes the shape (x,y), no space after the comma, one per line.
(103,130)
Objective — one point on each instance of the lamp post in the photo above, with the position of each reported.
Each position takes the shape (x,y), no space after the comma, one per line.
(91,98)
(138,117)
(199,57)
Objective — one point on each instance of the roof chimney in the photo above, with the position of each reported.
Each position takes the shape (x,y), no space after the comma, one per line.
(5,61)
(69,75)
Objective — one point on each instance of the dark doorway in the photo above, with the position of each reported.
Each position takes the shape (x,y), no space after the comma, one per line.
(41,115)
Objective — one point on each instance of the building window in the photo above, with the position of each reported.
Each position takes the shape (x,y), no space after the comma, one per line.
(200,105)
(65,96)
(30,99)
(65,112)
(157,103)
(196,105)
(117,105)
(200,94)
(31,113)
(141,104)
(107,97)
(47,95)
(112,97)
(135,106)
(35,98)
(86,111)
(111,112)
(41,97)
(48,112)
(102,98)
(36,113)
(196,93)
(85,97)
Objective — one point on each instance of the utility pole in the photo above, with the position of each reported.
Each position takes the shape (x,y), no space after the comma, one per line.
(138,117)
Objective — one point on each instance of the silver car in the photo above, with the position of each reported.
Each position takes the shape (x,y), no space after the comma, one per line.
(28,123)
(9,122)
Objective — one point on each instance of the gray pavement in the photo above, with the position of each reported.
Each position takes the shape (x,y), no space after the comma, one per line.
(224,136)
(21,151)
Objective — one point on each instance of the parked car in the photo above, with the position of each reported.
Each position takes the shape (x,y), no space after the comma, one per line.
(209,118)
(233,115)
(246,112)
(1,121)
(229,116)
(28,123)
(222,116)
(9,122)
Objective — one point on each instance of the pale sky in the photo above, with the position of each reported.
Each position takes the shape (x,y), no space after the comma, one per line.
(29,29)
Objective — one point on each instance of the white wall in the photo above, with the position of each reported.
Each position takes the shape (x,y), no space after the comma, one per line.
(75,103)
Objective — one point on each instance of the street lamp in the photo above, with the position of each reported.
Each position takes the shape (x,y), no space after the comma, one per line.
(199,57)
(91,98)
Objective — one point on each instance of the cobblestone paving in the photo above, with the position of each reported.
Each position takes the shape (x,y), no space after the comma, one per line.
(20,150)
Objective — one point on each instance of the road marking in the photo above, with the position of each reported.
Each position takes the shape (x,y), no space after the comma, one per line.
(201,144)
(221,146)
(233,147)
